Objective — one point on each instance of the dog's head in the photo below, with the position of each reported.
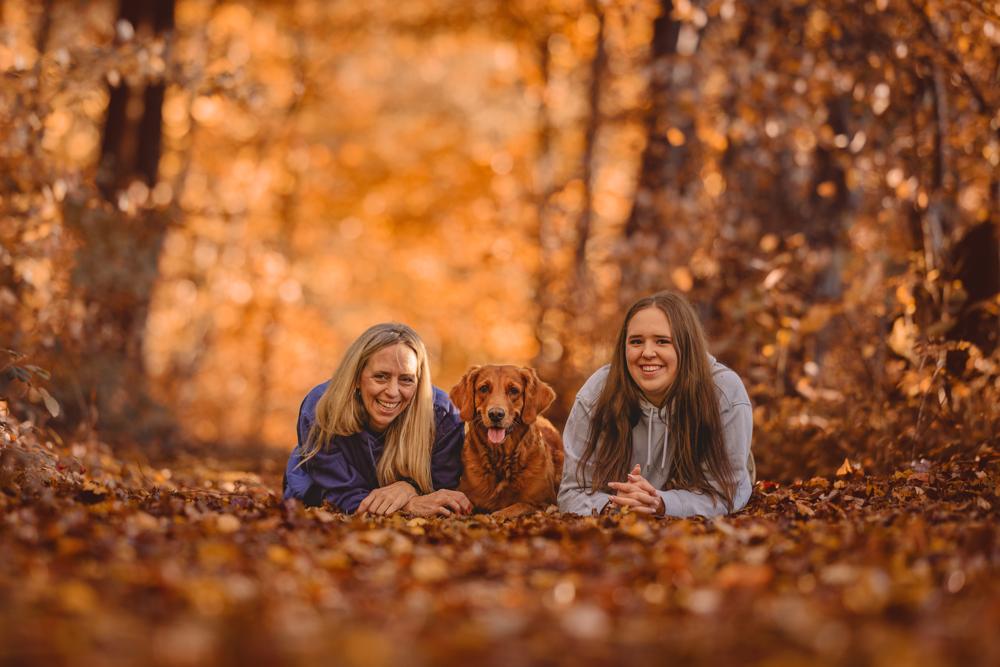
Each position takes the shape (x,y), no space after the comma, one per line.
(499,397)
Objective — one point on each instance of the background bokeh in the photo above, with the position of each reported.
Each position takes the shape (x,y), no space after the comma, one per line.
(204,202)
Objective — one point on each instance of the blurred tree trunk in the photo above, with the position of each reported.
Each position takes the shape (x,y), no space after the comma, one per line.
(825,227)
(44,28)
(975,263)
(645,233)
(567,298)
(582,289)
(117,261)
(130,143)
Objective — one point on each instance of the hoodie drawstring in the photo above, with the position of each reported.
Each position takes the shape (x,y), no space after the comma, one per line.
(649,440)
(663,460)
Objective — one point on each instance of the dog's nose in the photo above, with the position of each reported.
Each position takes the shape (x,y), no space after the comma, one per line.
(496,414)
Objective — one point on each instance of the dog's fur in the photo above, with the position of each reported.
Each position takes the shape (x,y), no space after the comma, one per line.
(521,473)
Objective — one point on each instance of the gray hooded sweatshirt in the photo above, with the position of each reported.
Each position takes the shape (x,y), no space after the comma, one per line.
(651,449)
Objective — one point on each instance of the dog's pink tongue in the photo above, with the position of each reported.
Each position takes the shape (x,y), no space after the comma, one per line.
(497,435)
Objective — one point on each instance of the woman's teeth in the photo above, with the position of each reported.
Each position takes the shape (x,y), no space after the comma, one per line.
(388,406)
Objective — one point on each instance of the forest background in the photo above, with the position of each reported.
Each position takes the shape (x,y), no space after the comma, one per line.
(202,202)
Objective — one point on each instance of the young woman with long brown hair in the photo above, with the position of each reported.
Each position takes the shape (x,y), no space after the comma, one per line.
(378,437)
(664,429)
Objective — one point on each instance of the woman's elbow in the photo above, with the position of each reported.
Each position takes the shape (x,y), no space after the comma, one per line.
(742,497)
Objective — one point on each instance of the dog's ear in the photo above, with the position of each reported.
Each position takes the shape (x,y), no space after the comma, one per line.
(463,394)
(537,396)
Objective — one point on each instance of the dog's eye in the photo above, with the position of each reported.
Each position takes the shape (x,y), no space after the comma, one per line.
(513,391)
(485,389)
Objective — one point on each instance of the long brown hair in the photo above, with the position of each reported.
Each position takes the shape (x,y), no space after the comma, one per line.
(409,438)
(692,409)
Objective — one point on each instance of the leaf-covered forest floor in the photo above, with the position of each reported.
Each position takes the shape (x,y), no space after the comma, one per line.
(109,561)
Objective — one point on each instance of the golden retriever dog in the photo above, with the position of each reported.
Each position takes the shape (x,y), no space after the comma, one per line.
(512,457)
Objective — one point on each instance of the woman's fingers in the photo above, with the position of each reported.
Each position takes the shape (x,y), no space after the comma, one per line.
(387,501)
(443,502)
(381,501)
(396,505)
(626,487)
(383,505)
(642,483)
(456,500)
(633,504)
(641,498)
(365,504)
(638,488)
(638,498)
(459,502)
(379,504)
(464,506)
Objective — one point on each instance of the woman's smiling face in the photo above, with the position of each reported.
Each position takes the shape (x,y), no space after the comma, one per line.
(650,353)
(388,383)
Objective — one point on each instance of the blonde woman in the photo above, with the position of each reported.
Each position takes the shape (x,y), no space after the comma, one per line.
(378,437)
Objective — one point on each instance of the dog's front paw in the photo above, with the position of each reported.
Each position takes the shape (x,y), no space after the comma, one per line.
(513,511)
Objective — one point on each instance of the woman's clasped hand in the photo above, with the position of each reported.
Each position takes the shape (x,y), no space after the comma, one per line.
(388,499)
(443,501)
(637,494)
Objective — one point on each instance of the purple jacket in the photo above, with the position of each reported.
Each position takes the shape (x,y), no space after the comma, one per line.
(343,472)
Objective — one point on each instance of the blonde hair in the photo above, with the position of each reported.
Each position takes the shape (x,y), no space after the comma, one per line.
(408,438)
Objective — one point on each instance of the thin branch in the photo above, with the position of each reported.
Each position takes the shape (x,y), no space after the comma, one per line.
(44,29)
(590,141)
